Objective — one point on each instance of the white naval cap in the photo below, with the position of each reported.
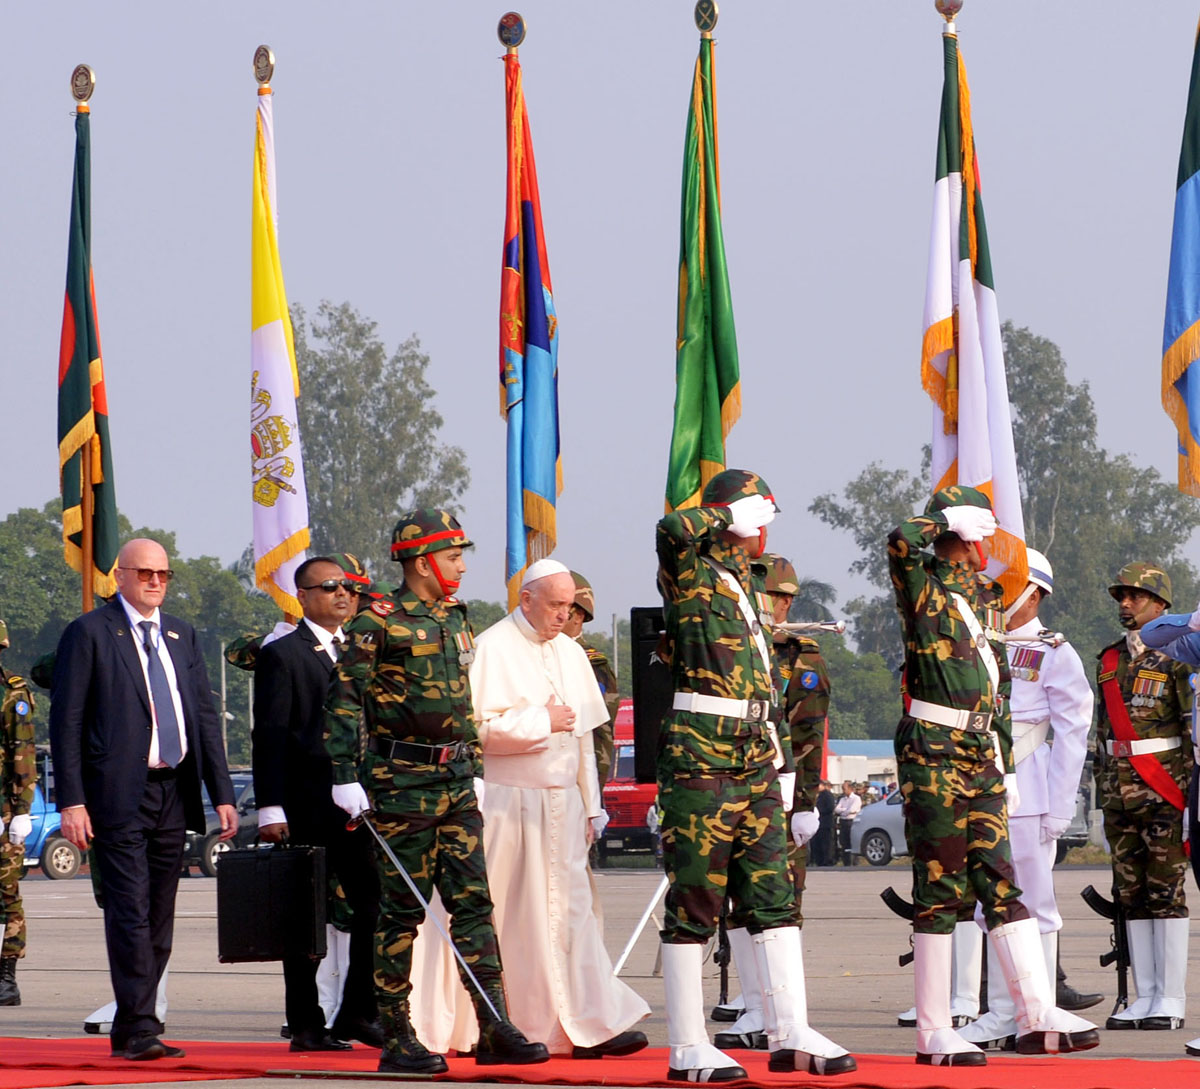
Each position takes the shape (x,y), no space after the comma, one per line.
(541,569)
(1040,572)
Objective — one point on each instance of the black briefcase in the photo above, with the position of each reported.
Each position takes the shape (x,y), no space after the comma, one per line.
(270,903)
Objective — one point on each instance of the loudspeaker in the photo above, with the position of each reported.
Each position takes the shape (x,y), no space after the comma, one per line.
(652,690)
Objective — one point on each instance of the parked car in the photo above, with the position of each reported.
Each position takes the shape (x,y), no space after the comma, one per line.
(44,846)
(203,849)
(626,801)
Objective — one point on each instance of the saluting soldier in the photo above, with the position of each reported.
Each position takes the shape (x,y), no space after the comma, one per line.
(18,776)
(954,750)
(404,674)
(1143,765)
(583,609)
(724,829)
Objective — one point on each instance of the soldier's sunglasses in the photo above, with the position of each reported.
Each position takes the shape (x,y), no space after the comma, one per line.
(330,586)
(145,574)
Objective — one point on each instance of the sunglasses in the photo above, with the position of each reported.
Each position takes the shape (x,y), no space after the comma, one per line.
(145,574)
(330,586)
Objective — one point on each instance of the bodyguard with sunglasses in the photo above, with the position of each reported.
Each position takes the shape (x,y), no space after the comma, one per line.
(134,732)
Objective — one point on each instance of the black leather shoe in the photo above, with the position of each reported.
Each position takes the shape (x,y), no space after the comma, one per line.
(1067,998)
(725,1013)
(786,1059)
(316,1040)
(503,1042)
(707,1074)
(955,1058)
(740,1041)
(624,1043)
(358,1028)
(147,1046)
(1034,1043)
(412,1057)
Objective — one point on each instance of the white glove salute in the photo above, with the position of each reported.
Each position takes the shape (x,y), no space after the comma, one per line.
(1014,796)
(970,523)
(1053,827)
(750,514)
(352,798)
(804,826)
(19,829)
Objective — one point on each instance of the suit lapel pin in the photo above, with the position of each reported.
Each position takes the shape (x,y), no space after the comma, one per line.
(172,635)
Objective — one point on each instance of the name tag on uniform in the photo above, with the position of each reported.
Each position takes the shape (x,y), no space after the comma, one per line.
(421,649)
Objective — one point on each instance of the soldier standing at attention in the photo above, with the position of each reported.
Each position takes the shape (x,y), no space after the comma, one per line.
(1142,770)
(724,831)
(18,776)
(404,673)
(953,748)
(582,611)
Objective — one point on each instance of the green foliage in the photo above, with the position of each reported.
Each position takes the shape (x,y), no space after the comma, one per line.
(812,601)
(369,432)
(865,696)
(483,614)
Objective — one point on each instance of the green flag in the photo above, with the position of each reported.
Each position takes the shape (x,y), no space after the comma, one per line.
(708,392)
(82,401)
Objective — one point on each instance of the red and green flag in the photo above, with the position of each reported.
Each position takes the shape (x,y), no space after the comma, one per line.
(82,401)
(708,392)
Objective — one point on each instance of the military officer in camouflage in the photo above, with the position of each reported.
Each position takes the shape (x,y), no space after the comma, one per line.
(18,776)
(404,674)
(953,746)
(582,611)
(1143,764)
(724,830)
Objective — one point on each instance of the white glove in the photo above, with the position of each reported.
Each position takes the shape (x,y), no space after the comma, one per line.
(787,786)
(970,523)
(599,823)
(19,828)
(1014,795)
(804,826)
(750,514)
(1,826)
(1194,622)
(352,798)
(1053,827)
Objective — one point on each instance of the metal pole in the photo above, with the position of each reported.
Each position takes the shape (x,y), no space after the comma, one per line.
(616,654)
(250,700)
(224,719)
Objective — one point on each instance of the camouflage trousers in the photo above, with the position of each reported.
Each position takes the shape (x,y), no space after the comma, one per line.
(957,831)
(436,833)
(1148,858)
(12,911)
(798,867)
(725,837)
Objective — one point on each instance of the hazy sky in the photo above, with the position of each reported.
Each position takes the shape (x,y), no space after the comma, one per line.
(390,151)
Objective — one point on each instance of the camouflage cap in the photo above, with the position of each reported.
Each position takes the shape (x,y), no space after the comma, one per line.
(426,530)
(585,597)
(3,635)
(733,484)
(1144,576)
(957,495)
(781,575)
(381,588)
(352,567)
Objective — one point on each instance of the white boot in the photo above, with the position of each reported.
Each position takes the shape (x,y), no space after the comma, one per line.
(907,1019)
(1140,935)
(692,1057)
(793,1045)
(937,1043)
(998,1027)
(99,1022)
(966,964)
(748,1030)
(1042,1028)
(1170,974)
(331,973)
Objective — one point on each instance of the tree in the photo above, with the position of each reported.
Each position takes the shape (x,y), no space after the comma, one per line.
(812,601)
(369,433)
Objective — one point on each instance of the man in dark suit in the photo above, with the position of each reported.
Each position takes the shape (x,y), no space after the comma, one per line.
(293,778)
(133,733)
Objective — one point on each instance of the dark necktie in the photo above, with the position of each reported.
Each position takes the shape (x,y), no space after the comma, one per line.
(169,750)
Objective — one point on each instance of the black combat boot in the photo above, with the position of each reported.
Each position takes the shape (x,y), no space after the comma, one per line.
(501,1041)
(9,995)
(402,1052)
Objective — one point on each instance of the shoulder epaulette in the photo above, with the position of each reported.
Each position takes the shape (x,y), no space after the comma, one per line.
(15,681)
(383,607)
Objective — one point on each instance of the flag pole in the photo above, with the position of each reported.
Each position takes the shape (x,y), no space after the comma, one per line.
(948,9)
(706,14)
(511,31)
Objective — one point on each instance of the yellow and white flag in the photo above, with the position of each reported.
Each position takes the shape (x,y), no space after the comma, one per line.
(962,356)
(277,472)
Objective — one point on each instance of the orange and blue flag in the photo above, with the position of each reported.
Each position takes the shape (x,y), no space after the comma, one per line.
(528,354)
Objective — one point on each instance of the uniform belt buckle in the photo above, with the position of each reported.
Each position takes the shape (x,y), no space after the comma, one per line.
(756,710)
(1122,748)
(446,754)
(978,722)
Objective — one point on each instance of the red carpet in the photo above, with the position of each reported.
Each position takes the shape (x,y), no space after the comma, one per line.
(26,1063)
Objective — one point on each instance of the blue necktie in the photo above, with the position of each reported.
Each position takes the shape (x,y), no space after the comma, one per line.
(169,751)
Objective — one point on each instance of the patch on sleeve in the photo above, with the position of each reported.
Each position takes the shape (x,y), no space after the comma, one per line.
(809,679)
(21,707)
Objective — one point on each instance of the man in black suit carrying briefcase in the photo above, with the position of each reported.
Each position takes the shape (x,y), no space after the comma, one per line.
(292,781)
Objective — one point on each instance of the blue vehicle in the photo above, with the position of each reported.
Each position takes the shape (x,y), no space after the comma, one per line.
(44,846)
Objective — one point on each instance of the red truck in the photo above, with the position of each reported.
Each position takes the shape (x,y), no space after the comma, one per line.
(625,799)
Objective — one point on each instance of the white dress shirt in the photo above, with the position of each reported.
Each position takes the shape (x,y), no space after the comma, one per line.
(156,638)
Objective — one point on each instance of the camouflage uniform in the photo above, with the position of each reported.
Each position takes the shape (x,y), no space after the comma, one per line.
(18,777)
(1144,830)
(954,797)
(602,736)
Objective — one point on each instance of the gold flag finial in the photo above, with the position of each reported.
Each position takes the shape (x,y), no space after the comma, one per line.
(511,30)
(706,15)
(948,9)
(264,65)
(83,83)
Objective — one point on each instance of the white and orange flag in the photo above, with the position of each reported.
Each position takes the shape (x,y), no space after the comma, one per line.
(277,472)
(962,356)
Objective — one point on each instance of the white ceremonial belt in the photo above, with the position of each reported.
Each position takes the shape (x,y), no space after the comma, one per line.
(749,710)
(977,722)
(1142,746)
(1028,737)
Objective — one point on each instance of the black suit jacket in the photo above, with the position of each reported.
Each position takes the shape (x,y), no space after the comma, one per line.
(100,719)
(291,766)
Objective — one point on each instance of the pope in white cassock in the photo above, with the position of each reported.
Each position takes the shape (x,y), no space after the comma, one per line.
(537,701)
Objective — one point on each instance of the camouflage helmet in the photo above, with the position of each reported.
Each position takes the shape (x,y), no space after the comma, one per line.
(585,597)
(382,588)
(352,567)
(427,530)
(781,575)
(957,495)
(1144,576)
(733,484)
(3,635)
